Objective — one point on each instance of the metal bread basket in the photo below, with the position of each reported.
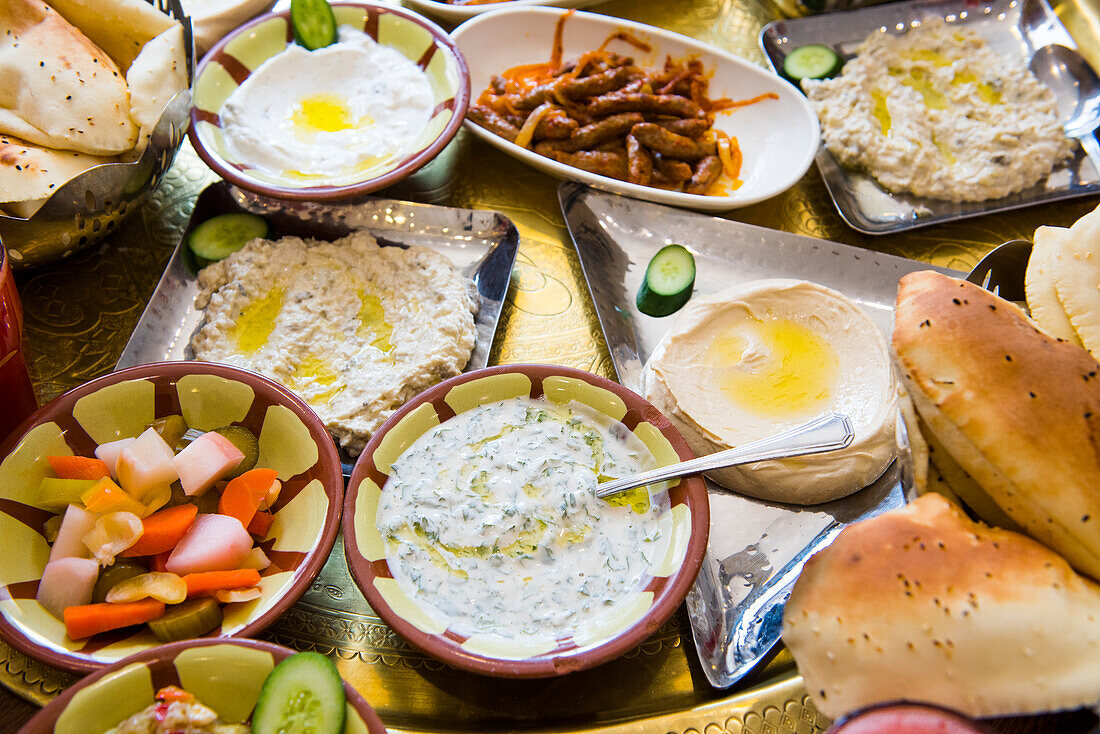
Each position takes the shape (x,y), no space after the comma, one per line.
(88,207)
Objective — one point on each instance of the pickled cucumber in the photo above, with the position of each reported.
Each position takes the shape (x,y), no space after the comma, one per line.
(193,618)
(246,441)
(171,428)
(121,570)
(185,440)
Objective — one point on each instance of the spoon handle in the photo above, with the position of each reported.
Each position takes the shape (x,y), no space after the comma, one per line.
(827,433)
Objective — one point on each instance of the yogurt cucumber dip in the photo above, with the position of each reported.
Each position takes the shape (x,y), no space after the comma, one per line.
(322,117)
(491,520)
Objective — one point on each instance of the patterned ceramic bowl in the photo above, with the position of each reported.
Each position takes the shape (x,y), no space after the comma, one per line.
(225,675)
(292,439)
(684,521)
(234,58)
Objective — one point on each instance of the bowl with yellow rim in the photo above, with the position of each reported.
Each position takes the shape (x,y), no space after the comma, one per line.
(223,675)
(673,519)
(329,106)
(291,440)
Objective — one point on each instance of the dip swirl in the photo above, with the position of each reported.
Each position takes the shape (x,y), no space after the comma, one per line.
(491,520)
(329,116)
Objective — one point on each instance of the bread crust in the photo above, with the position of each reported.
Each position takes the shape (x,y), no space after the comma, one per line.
(1017,409)
(921,603)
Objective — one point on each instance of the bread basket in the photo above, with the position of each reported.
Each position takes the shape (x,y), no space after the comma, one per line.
(91,205)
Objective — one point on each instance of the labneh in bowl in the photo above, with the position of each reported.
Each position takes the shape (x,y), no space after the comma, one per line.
(225,675)
(234,59)
(292,441)
(648,594)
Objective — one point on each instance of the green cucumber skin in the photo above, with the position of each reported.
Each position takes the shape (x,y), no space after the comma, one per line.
(314,32)
(662,293)
(302,672)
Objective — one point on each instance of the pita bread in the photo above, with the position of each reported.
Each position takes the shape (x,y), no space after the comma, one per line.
(964,490)
(119,27)
(1016,408)
(157,74)
(57,88)
(1075,267)
(921,603)
(1042,296)
(29,171)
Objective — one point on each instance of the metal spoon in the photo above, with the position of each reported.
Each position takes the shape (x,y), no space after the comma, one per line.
(1077,90)
(829,432)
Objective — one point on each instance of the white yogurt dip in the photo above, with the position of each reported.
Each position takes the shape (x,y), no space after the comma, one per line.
(322,117)
(491,519)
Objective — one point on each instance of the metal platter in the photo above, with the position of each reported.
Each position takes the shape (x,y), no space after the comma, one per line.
(1014,28)
(756,548)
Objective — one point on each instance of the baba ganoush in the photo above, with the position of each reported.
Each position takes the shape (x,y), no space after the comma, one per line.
(937,113)
(759,358)
(355,329)
(491,520)
(329,116)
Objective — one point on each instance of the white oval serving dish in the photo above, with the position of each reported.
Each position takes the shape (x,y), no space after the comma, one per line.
(778,137)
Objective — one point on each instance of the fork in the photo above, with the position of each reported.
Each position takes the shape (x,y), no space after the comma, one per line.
(1002,270)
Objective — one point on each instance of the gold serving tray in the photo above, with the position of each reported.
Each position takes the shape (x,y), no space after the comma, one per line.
(79,315)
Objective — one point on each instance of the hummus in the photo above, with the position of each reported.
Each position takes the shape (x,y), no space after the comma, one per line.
(759,358)
(329,116)
(355,329)
(937,113)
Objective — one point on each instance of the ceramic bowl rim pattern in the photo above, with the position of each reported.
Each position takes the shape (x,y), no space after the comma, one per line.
(558,662)
(405,168)
(327,459)
(44,721)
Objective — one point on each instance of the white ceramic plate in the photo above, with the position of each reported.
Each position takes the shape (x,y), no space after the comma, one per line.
(777,137)
(458,13)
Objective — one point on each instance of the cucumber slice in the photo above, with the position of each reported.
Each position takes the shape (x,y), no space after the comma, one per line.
(221,236)
(314,23)
(814,61)
(303,693)
(669,281)
(193,618)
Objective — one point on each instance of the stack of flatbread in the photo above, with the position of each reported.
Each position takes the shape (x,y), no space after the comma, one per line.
(82,82)
(924,603)
(1062,281)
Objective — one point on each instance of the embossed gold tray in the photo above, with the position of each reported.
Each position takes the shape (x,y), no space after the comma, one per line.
(80,314)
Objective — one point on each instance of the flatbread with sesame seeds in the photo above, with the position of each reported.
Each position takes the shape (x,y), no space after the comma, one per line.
(1018,410)
(57,88)
(29,171)
(923,603)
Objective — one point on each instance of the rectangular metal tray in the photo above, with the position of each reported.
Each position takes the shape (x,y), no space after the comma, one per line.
(756,548)
(1012,27)
(481,244)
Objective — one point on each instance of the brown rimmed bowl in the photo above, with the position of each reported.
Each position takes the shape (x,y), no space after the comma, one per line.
(293,441)
(233,59)
(225,675)
(634,619)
